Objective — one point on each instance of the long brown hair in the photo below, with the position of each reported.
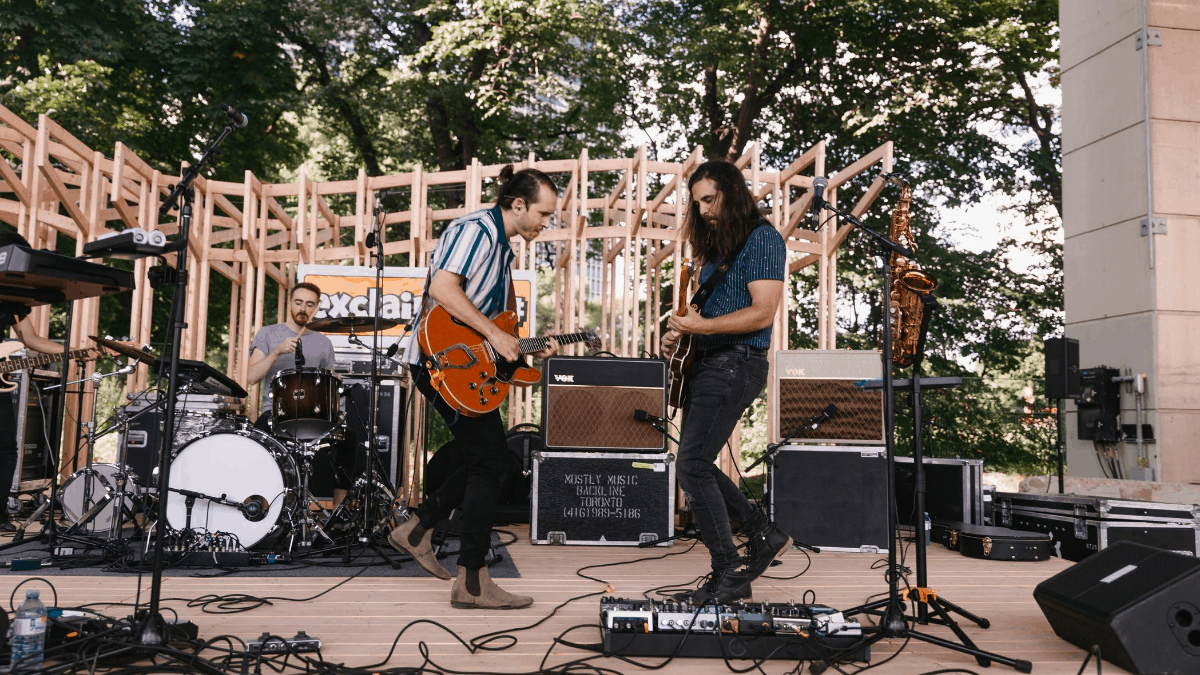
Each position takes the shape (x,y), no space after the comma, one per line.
(737,214)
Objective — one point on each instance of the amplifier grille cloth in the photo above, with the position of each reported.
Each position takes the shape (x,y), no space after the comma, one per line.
(602,417)
(859,416)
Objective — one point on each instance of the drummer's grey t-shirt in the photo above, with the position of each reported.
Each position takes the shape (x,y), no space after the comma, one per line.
(318,353)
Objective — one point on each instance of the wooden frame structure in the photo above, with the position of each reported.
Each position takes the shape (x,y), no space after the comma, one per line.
(626,212)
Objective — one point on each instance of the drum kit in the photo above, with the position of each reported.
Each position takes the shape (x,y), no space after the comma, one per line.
(229,479)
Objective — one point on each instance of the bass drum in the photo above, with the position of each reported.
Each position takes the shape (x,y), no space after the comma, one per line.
(247,467)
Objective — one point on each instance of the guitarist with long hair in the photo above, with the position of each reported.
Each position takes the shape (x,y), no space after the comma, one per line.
(743,261)
(8,421)
(471,278)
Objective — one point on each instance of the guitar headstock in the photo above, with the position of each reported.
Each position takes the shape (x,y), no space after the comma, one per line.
(592,339)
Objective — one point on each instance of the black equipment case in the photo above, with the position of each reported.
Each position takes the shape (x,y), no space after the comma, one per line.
(1082,525)
(832,497)
(602,498)
(991,543)
(953,489)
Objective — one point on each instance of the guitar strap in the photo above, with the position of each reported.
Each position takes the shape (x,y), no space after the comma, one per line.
(718,276)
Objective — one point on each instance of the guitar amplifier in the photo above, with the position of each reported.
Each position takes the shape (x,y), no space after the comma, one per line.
(808,380)
(34,411)
(588,403)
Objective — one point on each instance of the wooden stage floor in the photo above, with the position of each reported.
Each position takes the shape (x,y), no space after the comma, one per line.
(358,621)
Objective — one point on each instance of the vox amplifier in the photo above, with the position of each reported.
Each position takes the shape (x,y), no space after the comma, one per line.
(588,403)
(808,380)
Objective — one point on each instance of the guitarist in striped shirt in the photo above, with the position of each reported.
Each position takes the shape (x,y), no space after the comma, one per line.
(8,421)
(733,331)
(471,278)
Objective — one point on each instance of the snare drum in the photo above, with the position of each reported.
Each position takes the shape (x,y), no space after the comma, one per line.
(248,467)
(305,402)
(82,491)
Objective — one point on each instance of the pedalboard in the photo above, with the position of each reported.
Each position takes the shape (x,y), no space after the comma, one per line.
(273,644)
(739,631)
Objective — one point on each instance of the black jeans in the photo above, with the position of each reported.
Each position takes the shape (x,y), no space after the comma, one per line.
(724,382)
(486,455)
(9,447)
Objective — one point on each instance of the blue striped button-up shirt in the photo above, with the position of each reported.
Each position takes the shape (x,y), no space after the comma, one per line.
(763,257)
(476,247)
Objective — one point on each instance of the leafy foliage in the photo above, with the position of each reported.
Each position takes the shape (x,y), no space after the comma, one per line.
(389,84)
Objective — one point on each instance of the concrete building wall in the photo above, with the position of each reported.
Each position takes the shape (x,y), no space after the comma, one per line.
(1133,300)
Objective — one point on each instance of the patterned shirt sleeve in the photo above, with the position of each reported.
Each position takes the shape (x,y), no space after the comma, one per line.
(766,255)
(467,249)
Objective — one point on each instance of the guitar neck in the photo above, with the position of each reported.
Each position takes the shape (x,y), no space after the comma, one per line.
(35,361)
(536,344)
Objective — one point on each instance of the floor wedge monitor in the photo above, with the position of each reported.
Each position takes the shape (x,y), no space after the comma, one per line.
(1140,604)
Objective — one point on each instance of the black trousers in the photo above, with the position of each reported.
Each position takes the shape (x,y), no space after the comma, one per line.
(8,450)
(486,456)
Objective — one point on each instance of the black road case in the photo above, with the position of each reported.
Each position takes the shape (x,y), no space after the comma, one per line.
(953,489)
(832,497)
(1082,525)
(602,498)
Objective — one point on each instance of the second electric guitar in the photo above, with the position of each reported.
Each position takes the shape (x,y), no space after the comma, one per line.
(468,373)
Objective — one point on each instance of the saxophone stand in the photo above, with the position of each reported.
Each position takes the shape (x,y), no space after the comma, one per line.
(894,623)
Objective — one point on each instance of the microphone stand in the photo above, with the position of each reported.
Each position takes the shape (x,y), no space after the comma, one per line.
(152,631)
(893,622)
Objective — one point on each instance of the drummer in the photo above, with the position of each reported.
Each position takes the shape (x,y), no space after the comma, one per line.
(274,346)
(274,350)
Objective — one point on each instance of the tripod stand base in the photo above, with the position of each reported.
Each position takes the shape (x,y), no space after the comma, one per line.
(894,623)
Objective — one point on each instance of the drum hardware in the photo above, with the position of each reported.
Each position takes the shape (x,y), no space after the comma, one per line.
(143,355)
(302,515)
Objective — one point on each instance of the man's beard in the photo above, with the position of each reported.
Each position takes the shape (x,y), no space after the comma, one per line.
(300,319)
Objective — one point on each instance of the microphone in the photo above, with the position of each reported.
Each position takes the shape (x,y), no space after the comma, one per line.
(643,416)
(819,185)
(370,240)
(391,351)
(829,411)
(254,508)
(239,120)
(299,353)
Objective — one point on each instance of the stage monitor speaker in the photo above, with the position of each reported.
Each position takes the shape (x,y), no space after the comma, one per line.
(1062,368)
(808,380)
(1098,408)
(588,403)
(1140,604)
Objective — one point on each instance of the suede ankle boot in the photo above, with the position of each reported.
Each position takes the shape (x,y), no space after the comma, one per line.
(474,589)
(413,539)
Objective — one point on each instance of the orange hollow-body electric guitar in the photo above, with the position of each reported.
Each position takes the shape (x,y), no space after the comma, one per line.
(468,373)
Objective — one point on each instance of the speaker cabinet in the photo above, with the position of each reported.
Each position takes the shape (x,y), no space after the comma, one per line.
(34,411)
(806,381)
(831,497)
(1140,604)
(1062,368)
(588,403)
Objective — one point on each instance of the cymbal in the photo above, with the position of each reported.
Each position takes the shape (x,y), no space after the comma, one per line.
(344,324)
(124,349)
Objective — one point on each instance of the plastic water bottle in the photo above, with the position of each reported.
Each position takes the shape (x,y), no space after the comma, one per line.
(928,528)
(29,632)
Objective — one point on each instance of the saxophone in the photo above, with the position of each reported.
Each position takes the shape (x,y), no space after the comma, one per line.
(910,286)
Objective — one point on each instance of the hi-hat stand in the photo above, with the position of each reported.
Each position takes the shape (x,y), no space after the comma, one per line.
(893,621)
